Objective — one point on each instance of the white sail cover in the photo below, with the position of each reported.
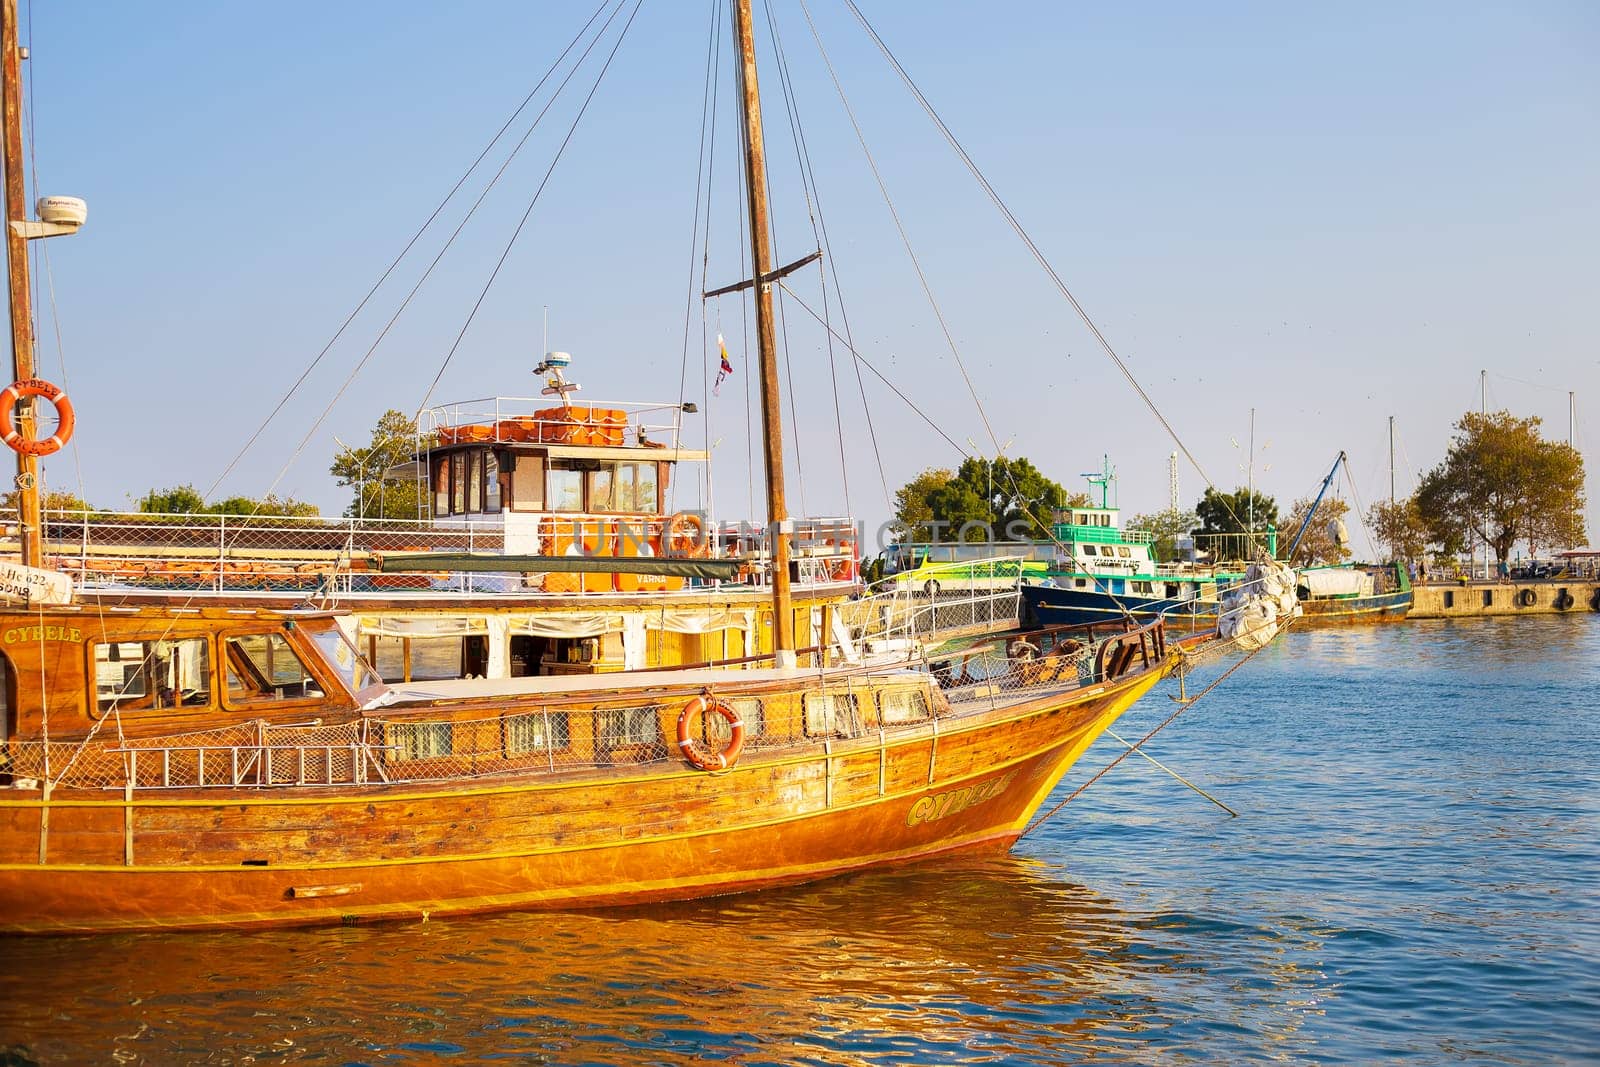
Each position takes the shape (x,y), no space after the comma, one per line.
(1253,612)
(1336,581)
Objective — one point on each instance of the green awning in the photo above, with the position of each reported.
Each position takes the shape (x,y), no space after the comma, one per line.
(671,567)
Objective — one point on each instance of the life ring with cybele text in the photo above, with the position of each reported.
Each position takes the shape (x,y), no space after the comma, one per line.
(14,437)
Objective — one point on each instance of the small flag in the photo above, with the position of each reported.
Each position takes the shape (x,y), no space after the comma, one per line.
(724,370)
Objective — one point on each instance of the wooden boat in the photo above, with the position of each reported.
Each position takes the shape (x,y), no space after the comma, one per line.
(194,766)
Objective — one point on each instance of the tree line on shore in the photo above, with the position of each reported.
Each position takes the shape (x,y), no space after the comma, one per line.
(1500,484)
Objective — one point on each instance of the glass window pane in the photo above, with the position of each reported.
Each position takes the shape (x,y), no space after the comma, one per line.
(147,675)
(265,667)
(644,489)
(475,481)
(566,488)
(458,483)
(602,488)
(491,482)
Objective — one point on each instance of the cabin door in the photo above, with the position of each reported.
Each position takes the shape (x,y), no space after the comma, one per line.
(475,656)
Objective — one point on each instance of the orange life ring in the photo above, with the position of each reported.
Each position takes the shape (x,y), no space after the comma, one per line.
(692,750)
(679,543)
(64,417)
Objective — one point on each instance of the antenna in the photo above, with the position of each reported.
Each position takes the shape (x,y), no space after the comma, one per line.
(556,382)
(1172,482)
(1103,478)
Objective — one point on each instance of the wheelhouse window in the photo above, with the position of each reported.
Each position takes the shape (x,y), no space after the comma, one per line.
(623,487)
(896,706)
(564,486)
(152,674)
(491,481)
(1089,550)
(458,483)
(265,667)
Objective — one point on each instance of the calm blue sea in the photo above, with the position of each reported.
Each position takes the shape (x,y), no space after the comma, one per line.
(1414,878)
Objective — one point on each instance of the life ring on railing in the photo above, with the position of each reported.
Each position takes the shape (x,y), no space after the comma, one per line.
(64,417)
(677,542)
(1563,600)
(692,750)
(1526,598)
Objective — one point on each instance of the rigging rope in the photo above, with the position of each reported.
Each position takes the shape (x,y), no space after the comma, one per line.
(411,243)
(516,233)
(1016,226)
(813,209)
(701,180)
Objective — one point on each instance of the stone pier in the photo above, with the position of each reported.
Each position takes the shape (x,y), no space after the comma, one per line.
(1550,596)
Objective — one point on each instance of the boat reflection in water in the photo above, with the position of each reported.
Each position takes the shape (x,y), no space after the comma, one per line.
(993,957)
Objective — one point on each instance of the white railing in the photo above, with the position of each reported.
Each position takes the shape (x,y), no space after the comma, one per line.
(327,557)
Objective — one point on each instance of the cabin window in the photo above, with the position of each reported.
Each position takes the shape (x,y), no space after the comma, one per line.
(1082,583)
(615,727)
(1141,587)
(153,674)
(831,713)
(265,667)
(491,482)
(341,655)
(897,706)
(750,712)
(419,740)
(1089,550)
(1122,550)
(565,486)
(526,734)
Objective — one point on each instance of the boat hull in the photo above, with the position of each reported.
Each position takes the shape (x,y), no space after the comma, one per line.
(84,861)
(1044,605)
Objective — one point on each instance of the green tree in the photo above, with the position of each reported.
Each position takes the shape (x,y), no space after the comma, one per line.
(1166,529)
(1226,519)
(1500,483)
(180,500)
(268,505)
(56,500)
(912,512)
(1318,544)
(394,441)
(186,500)
(1399,528)
(1003,499)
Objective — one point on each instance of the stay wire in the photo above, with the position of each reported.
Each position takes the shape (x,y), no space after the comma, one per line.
(1126,752)
(428,272)
(933,302)
(813,209)
(1027,240)
(905,238)
(300,381)
(713,38)
(532,203)
(924,416)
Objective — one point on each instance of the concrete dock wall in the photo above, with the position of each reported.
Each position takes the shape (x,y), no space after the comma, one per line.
(1470,599)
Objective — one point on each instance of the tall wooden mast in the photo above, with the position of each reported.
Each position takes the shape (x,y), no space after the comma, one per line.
(17,273)
(766,336)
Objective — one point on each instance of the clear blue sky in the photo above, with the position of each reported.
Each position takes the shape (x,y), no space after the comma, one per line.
(1328,215)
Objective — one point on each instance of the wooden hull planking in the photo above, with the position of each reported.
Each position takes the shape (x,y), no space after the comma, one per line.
(195,859)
